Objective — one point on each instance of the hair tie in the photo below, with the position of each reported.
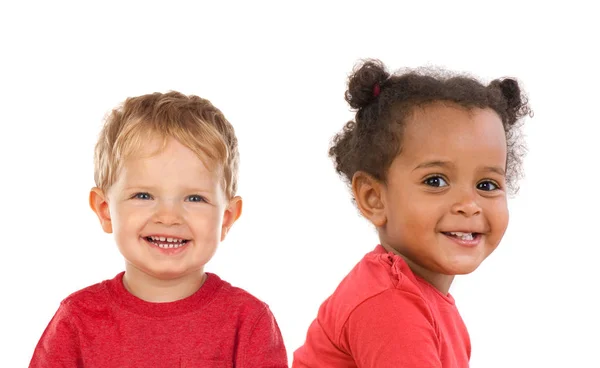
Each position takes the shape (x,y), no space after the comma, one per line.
(376,90)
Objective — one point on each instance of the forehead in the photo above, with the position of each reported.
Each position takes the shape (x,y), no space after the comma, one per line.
(169,160)
(448,131)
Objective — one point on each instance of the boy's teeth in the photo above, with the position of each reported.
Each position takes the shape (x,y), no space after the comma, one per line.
(167,246)
(167,243)
(162,238)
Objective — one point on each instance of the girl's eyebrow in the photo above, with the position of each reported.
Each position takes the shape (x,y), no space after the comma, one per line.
(496,169)
(447,164)
(435,163)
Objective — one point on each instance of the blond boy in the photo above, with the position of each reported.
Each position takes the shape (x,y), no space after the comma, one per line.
(166,178)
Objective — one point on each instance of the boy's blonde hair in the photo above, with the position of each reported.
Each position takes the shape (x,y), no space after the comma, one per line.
(191,120)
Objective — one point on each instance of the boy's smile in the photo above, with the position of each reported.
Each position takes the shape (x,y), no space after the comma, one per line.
(166,241)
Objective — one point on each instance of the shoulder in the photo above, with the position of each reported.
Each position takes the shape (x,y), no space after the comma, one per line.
(391,307)
(88,294)
(231,297)
(377,277)
(92,297)
(376,273)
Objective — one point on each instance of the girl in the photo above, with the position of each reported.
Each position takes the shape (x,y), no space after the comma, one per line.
(430,158)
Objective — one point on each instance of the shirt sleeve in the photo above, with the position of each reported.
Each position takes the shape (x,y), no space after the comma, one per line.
(59,345)
(264,346)
(392,329)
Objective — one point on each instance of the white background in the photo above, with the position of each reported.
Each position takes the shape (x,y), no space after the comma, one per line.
(278,72)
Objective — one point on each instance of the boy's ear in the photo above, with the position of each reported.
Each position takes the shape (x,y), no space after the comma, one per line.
(368,194)
(232,213)
(99,204)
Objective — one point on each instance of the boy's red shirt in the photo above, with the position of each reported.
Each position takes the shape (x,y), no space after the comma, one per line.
(105,326)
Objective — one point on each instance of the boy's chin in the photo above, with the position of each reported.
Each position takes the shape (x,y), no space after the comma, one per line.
(169,273)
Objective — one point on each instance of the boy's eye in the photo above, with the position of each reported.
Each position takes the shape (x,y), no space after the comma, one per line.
(196,198)
(487,186)
(435,181)
(142,196)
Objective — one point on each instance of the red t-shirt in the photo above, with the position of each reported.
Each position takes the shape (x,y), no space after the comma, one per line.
(105,326)
(382,315)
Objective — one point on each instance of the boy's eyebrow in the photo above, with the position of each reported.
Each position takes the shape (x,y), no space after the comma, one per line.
(137,187)
(202,189)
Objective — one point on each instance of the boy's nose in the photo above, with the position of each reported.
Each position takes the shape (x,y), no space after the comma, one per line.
(168,214)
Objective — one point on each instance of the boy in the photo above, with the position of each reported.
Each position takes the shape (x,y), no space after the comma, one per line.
(165,173)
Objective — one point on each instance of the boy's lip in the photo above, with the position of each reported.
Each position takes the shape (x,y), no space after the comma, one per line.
(168,247)
(165,236)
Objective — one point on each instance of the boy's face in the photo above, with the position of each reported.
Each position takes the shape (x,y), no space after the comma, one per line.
(444,203)
(167,211)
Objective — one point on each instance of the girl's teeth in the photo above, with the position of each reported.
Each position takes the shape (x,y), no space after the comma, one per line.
(463,236)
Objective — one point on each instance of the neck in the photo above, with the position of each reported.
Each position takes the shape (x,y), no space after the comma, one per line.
(439,281)
(157,290)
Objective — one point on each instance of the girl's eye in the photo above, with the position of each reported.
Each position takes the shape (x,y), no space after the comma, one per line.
(487,186)
(196,198)
(435,181)
(142,196)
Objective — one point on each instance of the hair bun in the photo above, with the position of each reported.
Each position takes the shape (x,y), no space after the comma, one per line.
(361,83)
(511,92)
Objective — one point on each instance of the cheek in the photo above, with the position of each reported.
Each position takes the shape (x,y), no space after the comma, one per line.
(498,217)
(204,220)
(423,218)
(126,219)
(414,215)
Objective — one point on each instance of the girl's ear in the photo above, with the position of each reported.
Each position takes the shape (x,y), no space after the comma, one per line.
(368,196)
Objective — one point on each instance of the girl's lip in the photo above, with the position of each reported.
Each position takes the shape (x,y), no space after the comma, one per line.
(462,231)
(469,243)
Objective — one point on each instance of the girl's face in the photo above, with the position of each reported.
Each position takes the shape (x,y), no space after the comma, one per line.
(444,200)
